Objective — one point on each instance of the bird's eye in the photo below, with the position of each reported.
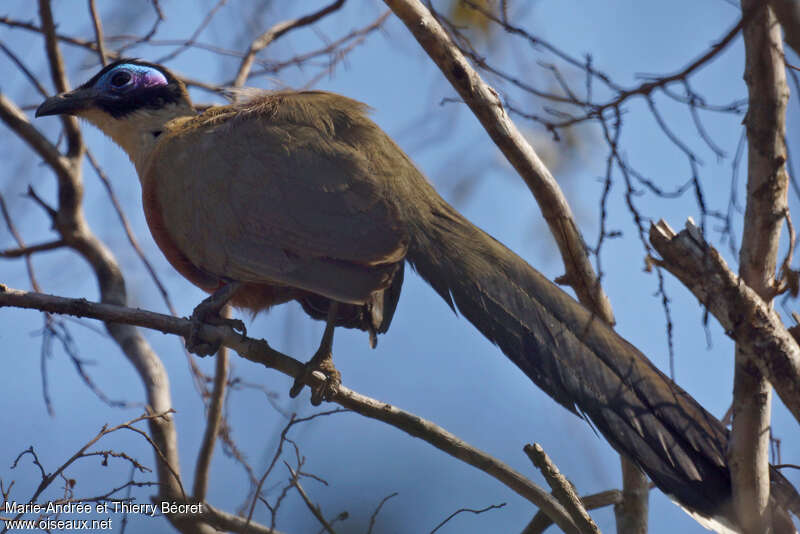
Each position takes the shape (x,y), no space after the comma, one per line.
(121,79)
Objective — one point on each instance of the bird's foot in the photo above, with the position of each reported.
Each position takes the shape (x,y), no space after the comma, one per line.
(208,312)
(196,344)
(322,361)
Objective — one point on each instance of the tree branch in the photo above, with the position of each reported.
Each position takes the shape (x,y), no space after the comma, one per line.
(563,490)
(59,76)
(313,508)
(275,32)
(754,325)
(260,352)
(213,421)
(232,523)
(541,522)
(788,13)
(98,32)
(15,119)
(767,186)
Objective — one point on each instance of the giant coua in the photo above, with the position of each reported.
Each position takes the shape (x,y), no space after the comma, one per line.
(299,195)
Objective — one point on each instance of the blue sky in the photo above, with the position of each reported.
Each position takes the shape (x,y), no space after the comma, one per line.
(431,362)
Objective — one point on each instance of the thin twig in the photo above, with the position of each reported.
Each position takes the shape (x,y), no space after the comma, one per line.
(471,510)
(21,66)
(213,422)
(48,478)
(374,515)
(276,32)
(563,490)
(313,508)
(190,41)
(126,226)
(98,32)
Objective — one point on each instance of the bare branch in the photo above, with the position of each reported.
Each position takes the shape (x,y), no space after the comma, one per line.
(16,120)
(767,186)
(622,94)
(563,490)
(213,422)
(25,70)
(313,508)
(98,32)
(541,522)
(48,478)
(149,35)
(330,48)
(470,510)
(31,249)
(293,420)
(200,27)
(378,508)
(274,33)
(23,250)
(83,43)
(788,13)
(631,512)
(126,226)
(260,352)
(59,77)
(741,312)
(228,522)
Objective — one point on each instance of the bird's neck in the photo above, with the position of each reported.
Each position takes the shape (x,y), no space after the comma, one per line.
(139,132)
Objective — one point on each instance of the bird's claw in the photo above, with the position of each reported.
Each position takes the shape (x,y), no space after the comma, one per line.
(208,313)
(322,362)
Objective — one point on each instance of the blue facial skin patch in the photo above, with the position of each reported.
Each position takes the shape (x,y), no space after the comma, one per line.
(131,76)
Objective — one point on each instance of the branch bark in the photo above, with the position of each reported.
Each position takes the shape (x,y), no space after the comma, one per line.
(788,13)
(562,488)
(213,421)
(744,315)
(541,522)
(223,521)
(767,185)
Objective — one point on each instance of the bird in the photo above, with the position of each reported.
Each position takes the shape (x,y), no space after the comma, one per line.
(299,195)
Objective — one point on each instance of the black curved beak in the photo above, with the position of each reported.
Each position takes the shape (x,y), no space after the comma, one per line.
(71,103)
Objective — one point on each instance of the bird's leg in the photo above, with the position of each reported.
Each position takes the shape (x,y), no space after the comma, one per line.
(208,312)
(321,361)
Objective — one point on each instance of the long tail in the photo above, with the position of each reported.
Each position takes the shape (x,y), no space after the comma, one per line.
(579,361)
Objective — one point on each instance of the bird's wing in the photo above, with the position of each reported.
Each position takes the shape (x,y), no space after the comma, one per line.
(278,191)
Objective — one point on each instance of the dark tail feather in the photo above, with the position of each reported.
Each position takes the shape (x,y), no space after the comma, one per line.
(579,361)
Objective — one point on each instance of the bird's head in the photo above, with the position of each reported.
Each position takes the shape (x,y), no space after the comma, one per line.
(120,89)
(129,100)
